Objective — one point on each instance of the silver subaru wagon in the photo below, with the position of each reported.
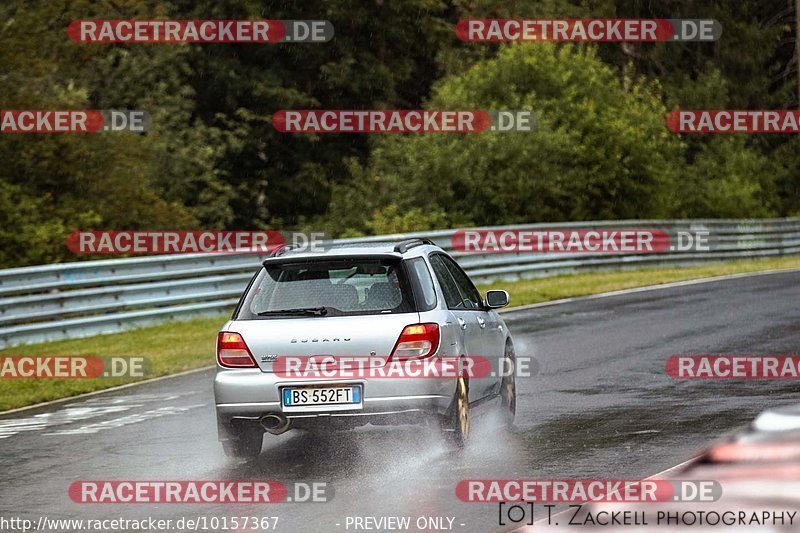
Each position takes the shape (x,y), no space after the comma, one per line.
(407,300)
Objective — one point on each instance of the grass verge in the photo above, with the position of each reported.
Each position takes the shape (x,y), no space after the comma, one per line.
(177,346)
(171,347)
(531,291)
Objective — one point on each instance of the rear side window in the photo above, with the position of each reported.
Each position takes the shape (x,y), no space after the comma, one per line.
(423,287)
(469,294)
(342,288)
(451,294)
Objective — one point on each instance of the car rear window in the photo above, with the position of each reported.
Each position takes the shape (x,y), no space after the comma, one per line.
(341,287)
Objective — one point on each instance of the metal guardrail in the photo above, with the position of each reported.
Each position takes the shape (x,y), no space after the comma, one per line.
(72,300)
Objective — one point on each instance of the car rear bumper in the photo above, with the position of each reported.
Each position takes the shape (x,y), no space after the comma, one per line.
(247,395)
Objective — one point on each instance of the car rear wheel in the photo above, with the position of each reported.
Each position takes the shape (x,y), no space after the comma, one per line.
(247,445)
(457,423)
(508,388)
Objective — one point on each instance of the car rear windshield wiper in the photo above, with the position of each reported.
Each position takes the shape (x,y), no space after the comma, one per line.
(302,311)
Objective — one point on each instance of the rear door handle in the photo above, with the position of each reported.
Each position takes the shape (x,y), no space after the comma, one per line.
(462,323)
(482,322)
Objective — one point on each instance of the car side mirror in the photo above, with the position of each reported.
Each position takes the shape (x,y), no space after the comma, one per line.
(496,299)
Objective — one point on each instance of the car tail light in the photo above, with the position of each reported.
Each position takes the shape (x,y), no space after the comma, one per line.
(417,341)
(232,351)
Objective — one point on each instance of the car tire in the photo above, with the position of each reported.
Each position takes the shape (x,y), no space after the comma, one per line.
(457,423)
(247,445)
(508,388)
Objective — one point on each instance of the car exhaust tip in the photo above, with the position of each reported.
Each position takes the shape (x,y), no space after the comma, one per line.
(275,424)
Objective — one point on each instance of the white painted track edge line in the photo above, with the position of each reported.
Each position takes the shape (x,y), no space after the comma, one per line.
(103,391)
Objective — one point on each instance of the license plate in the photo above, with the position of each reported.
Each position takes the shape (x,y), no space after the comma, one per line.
(332,398)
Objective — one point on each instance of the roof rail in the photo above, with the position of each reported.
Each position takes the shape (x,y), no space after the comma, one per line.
(404,246)
(282,249)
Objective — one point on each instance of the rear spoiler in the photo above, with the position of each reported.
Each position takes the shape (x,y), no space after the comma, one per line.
(329,256)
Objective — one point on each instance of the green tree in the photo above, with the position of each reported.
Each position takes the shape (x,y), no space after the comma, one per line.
(65,182)
(729,180)
(601,149)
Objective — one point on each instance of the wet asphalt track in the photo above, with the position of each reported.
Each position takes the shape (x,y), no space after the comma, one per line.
(601,406)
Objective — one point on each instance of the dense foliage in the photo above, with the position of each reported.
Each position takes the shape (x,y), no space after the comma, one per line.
(213,159)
